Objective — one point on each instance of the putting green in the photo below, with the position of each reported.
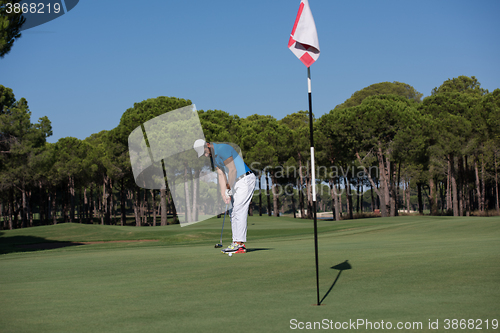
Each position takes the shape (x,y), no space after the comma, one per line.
(406,271)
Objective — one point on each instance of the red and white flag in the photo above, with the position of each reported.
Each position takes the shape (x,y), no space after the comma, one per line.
(304,38)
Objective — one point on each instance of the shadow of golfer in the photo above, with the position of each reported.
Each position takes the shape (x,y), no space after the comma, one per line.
(340,267)
(253,250)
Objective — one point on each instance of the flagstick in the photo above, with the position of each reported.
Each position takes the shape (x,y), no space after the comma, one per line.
(313,180)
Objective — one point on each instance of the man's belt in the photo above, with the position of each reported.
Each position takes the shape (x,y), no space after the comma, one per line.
(242,176)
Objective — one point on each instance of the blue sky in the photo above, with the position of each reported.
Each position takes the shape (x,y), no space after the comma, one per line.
(84,69)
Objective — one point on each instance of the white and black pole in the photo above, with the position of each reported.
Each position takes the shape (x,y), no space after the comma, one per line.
(313,180)
(303,42)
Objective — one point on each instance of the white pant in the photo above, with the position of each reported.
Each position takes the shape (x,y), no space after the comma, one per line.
(242,196)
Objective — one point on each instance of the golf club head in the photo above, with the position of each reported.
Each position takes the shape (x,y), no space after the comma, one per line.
(218,245)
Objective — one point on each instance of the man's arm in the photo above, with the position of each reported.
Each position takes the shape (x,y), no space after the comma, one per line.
(231,171)
(223,185)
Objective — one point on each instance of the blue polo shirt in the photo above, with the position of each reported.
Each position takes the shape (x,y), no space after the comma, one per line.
(223,151)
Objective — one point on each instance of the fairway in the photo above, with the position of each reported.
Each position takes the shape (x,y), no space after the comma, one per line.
(410,271)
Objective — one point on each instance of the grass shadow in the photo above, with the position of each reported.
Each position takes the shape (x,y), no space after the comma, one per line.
(340,267)
(30,243)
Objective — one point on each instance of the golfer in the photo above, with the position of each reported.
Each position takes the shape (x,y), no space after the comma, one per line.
(236,180)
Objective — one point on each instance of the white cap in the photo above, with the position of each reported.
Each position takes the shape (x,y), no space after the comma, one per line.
(199,147)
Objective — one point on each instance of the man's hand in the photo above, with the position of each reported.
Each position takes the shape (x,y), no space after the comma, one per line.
(227,196)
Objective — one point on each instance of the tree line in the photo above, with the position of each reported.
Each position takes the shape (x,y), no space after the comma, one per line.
(384,140)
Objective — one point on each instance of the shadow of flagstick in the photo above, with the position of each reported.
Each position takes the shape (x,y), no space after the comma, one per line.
(340,267)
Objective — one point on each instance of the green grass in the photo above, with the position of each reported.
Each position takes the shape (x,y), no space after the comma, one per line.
(404,269)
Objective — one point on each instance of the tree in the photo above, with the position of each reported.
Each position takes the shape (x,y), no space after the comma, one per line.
(20,143)
(298,144)
(486,118)
(380,125)
(10,25)
(336,150)
(458,148)
(382,88)
(264,141)
(461,84)
(118,168)
(452,132)
(220,126)
(138,115)
(70,171)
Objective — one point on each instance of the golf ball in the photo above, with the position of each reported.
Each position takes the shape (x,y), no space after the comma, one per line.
(230,254)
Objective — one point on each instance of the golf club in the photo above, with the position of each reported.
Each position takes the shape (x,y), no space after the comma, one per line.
(223,220)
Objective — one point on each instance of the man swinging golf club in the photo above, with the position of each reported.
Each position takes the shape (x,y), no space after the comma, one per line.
(237,184)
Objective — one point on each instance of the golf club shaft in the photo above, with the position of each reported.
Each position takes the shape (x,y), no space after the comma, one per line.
(223,220)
